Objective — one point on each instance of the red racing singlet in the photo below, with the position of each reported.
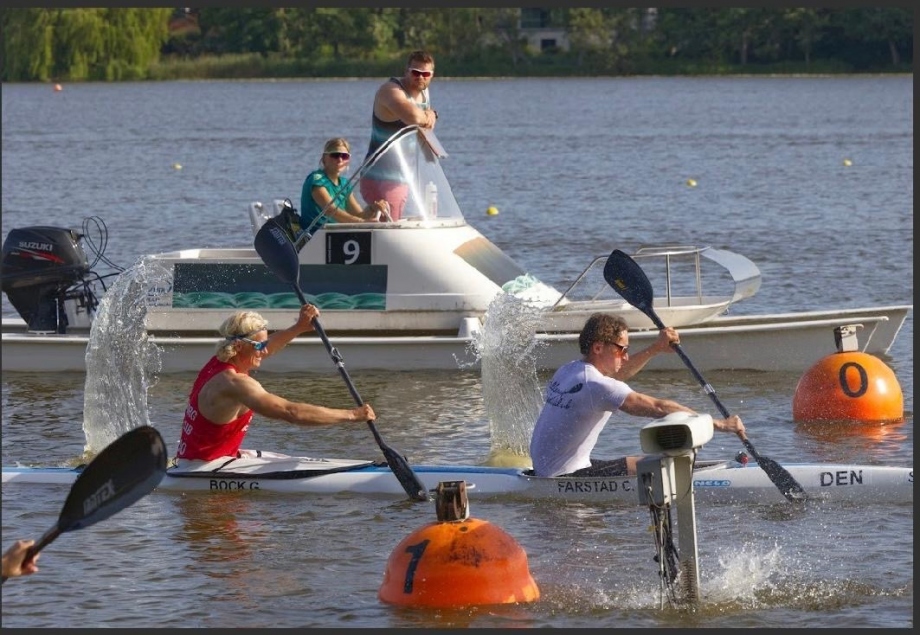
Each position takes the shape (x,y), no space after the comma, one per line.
(203,439)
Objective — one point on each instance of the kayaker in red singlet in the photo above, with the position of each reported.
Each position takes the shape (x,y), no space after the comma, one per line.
(224,397)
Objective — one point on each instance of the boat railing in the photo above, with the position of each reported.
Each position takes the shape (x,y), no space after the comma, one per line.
(590,285)
(671,251)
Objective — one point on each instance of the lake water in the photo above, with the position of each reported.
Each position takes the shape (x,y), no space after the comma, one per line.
(811,178)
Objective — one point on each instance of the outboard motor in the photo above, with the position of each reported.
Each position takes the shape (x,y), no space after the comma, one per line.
(44,276)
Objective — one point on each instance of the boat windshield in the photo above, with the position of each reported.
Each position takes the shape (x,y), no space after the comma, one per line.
(406,171)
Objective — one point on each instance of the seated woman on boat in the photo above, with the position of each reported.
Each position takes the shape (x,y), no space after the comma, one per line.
(327,196)
(224,397)
(583,394)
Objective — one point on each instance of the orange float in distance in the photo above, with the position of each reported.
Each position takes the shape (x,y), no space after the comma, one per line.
(456,564)
(849,386)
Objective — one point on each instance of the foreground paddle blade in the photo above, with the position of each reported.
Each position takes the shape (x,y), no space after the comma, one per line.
(125,471)
(628,279)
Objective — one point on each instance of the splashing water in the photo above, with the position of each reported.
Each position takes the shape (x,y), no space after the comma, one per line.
(743,572)
(512,396)
(121,361)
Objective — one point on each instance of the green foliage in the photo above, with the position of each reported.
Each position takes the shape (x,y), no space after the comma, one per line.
(110,44)
(81,44)
(27,45)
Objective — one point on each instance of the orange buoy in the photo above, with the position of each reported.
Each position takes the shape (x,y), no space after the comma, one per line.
(457,563)
(58,88)
(848,386)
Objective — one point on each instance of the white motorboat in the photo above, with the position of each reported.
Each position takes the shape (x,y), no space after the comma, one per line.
(728,481)
(410,294)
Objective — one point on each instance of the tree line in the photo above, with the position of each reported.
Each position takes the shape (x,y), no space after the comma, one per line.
(108,44)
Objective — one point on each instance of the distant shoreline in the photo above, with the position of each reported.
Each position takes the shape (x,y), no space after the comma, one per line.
(478,78)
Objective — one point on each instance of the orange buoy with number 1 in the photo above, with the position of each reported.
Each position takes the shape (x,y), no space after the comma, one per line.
(848,386)
(457,562)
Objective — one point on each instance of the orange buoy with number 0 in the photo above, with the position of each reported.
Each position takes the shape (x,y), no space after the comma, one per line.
(848,386)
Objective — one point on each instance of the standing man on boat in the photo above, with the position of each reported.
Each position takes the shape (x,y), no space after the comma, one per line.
(399,102)
(224,397)
(583,394)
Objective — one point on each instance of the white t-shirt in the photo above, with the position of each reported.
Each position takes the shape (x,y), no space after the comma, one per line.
(578,402)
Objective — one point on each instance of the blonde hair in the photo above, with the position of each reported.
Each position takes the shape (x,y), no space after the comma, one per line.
(335,143)
(240,324)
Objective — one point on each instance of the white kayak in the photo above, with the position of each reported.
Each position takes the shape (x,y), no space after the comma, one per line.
(713,481)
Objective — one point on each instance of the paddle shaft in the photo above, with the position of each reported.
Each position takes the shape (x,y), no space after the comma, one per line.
(46,540)
(338,360)
(400,466)
(274,246)
(628,279)
(707,387)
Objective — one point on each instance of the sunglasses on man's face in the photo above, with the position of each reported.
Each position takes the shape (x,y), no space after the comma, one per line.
(420,73)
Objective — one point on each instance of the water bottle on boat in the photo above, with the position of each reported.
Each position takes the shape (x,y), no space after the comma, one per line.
(431,199)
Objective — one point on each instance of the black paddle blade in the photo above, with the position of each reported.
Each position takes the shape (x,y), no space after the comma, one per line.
(780,476)
(277,250)
(626,277)
(788,486)
(414,487)
(125,471)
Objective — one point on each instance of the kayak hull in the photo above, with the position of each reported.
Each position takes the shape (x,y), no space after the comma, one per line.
(716,481)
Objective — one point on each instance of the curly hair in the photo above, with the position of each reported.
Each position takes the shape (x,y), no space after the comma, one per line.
(240,324)
(600,327)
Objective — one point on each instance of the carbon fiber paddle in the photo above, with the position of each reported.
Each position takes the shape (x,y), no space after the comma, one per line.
(125,471)
(629,280)
(274,246)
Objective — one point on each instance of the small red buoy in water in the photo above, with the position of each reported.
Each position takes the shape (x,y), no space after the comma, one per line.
(58,88)
(457,562)
(848,386)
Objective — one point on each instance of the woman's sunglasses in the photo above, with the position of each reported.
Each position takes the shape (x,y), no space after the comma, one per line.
(343,156)
(420,73)
(258,346)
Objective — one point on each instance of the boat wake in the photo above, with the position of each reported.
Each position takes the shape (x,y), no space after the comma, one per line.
(506,349)
(122,363)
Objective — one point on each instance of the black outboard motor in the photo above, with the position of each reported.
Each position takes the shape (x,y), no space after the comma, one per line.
(43,275)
